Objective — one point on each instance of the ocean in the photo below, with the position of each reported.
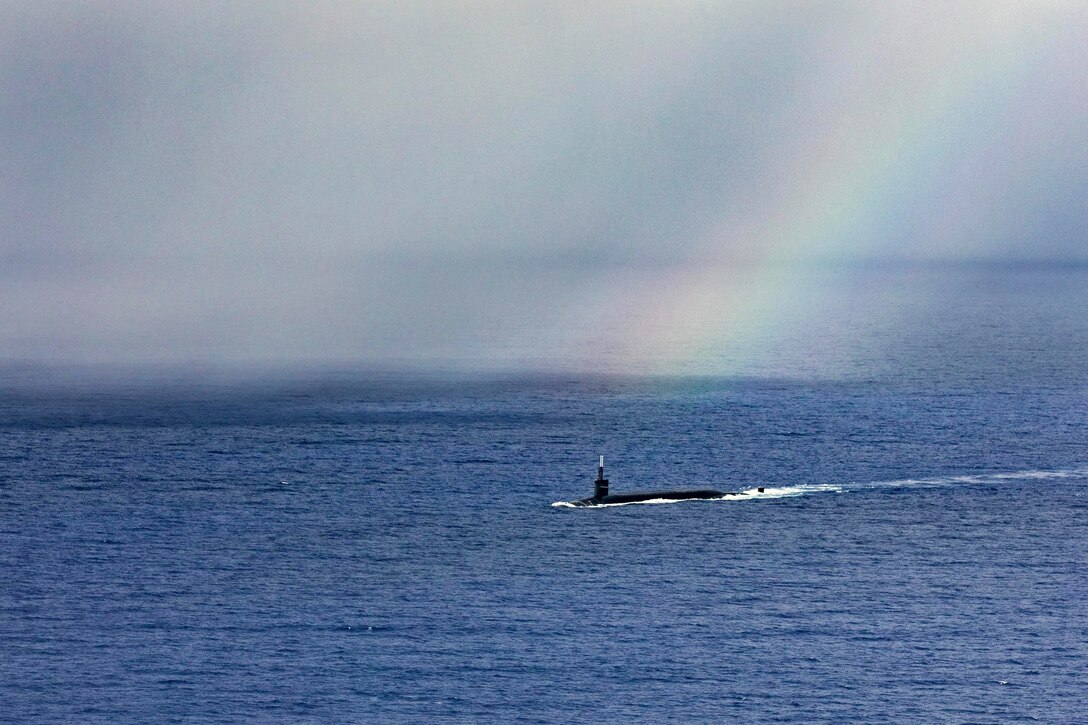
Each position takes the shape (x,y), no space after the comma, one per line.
(358,545)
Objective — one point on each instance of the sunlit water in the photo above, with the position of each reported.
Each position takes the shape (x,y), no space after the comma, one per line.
(384,548)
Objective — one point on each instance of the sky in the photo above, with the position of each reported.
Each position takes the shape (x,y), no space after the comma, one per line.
(602,184)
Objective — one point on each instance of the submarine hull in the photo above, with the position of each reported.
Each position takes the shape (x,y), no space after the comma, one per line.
(702,493)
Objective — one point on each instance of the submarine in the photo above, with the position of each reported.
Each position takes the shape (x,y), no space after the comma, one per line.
(601,496)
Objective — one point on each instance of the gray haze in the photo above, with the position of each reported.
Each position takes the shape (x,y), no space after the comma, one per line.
(472,183)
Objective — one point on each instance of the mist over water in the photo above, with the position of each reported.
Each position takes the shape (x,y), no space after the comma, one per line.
(494,188)
(940,324)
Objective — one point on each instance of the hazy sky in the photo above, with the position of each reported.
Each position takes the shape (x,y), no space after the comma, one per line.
(232,181)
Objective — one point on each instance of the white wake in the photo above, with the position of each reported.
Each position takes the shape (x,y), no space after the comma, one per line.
(775,492)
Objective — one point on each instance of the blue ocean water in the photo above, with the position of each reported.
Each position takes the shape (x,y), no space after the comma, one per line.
(365,547)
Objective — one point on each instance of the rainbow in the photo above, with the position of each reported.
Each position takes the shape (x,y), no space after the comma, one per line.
(868,150)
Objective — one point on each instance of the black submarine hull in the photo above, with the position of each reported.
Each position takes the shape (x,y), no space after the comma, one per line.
(702,493)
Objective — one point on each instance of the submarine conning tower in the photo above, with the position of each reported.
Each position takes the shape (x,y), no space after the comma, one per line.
(600,486)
